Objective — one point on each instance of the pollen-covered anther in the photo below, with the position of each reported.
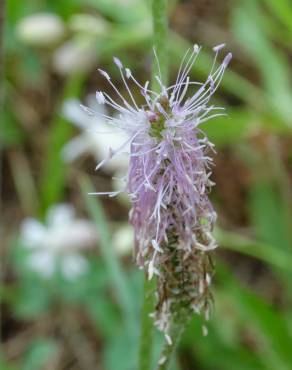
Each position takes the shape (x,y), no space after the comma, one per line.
(218,47)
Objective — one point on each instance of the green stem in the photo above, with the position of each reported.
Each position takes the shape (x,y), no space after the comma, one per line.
(145,350)
(168,350)
(160,68)
(160,35)
(2,98)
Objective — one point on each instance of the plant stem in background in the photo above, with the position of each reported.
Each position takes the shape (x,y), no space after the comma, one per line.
(160,36)
(2,84)
(160,68)
(2,93)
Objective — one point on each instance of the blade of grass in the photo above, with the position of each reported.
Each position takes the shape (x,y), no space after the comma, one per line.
(118,276)
(250,34)
(2,104)
(282,9)
(265,252)
(54,170)
(120,12)
(268,214)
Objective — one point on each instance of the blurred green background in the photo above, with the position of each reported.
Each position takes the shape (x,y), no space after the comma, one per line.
(70,294)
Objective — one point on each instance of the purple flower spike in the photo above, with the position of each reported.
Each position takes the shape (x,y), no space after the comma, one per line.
(168,183)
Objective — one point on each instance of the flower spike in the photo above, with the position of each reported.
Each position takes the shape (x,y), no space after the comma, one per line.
(168,182)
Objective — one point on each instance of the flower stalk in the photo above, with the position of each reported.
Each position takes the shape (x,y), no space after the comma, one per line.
(159,68)
(146,335)
(160,38)
(2,90)
(168,350)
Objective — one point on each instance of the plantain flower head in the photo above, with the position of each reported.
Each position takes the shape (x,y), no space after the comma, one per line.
(168,181)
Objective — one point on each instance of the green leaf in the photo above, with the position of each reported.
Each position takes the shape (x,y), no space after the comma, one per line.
(214,351)
(5,366)
(11,133)
(246,245)
(268,214)
(283,10)
(104,313)
(267,325)
(121,352)
(31,298)
(272,64)
(39,353)
(131,11)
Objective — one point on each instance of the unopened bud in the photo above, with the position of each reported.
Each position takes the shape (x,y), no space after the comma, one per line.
(40,29)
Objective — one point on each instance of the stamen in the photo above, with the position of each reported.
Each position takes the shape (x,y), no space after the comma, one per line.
(157,62)
(100,97)
(104,73)
(217,48)
(118,62)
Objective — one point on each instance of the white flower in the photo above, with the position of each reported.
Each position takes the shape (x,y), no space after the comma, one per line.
(40,29)
(96,138)
(58,242)
(75,55)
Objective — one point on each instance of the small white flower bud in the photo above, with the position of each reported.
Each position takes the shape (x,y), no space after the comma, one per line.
(40,29)
(74,56)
